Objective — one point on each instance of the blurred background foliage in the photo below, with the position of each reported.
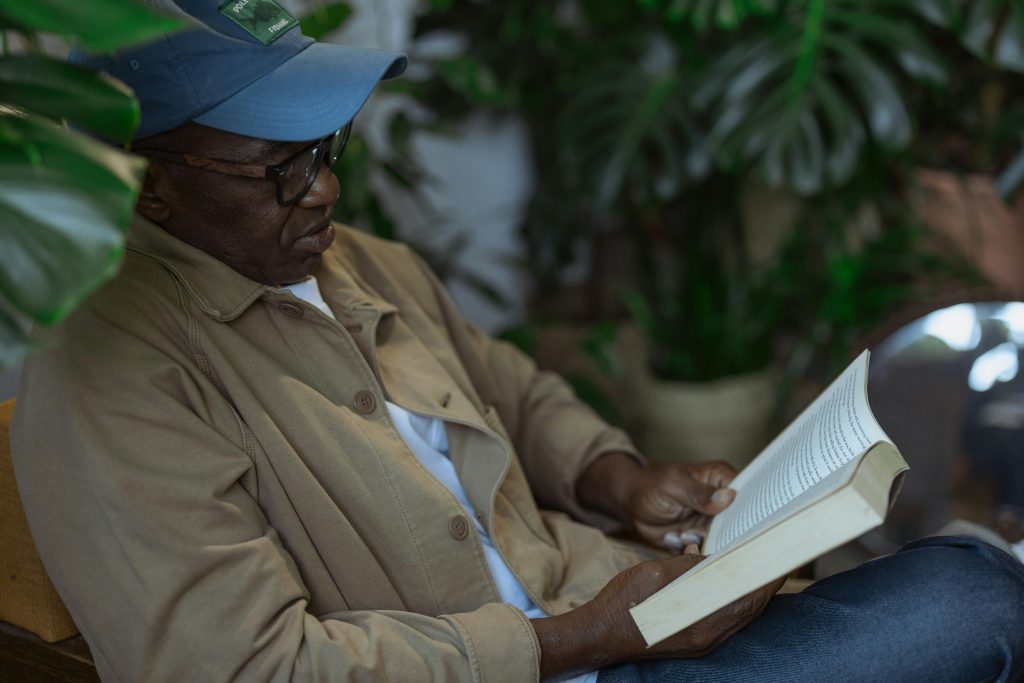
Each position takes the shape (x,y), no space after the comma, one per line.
(655,119)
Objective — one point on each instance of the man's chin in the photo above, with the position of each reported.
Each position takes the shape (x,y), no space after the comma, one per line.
(296,275)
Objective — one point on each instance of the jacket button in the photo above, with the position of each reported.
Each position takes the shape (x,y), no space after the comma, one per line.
(458,527)
(364,402)
(291,310)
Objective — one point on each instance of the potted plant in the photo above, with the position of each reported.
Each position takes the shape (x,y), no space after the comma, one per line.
(665,121)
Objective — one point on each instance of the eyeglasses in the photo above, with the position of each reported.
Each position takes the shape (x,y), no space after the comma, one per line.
(294,176)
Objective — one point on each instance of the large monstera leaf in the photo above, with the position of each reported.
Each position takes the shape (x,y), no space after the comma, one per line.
(802,99)
(65,199)
(97,24)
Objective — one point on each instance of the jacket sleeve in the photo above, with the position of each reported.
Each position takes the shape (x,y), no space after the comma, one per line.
(555,435)
(145,515)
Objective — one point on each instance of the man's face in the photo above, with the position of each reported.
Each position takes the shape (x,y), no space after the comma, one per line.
(236,219)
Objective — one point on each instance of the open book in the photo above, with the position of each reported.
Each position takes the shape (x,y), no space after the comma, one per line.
(825,480)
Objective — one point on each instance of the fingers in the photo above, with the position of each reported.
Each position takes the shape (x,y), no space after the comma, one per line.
(674,500)
(686,491)
(679,539)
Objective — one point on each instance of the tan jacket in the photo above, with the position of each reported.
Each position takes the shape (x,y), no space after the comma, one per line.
(218,492)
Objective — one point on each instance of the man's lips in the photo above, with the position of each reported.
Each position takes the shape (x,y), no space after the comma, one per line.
(318,238)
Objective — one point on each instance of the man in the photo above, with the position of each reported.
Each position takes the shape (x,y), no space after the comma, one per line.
(271,449)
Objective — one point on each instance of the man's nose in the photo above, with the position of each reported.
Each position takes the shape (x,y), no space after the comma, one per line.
(324,191)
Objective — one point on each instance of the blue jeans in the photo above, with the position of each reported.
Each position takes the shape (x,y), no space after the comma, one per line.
(942,609)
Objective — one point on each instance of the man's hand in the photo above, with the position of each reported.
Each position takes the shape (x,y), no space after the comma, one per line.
(602,633)
(669,505)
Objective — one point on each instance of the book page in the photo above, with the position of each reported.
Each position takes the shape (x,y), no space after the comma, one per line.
(830,433)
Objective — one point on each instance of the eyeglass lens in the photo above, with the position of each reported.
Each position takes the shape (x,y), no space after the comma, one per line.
(302,172)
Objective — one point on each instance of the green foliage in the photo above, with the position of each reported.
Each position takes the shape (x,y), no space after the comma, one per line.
(849,280)
(644,144)
(705,14)
(325,19)
(651,116)
(473,79)
(54,242)
(66,199)
(103,25)
(706,310)
(801,102)
(993,30)
(59,90)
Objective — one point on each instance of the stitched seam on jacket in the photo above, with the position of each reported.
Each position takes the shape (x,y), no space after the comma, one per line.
(203,304)
(531,635)
(474,655)
(249,443)
(249,446)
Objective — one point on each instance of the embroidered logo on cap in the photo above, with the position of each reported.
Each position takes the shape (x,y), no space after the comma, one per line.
(265,20)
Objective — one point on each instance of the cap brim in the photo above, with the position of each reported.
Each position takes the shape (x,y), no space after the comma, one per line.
(311,95)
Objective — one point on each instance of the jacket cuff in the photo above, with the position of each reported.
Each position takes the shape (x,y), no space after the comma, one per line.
(500,642)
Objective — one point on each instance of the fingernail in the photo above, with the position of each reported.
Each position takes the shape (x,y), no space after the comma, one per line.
(691,549)
(688,538)
(722,496)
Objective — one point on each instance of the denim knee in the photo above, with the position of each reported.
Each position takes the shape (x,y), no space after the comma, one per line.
(962,563)
(977,589)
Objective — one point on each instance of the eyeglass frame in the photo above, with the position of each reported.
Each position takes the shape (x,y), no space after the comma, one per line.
(276,172)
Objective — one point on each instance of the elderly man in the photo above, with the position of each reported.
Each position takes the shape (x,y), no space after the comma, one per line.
(271,449)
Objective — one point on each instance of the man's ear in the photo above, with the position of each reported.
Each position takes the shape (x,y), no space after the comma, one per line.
(152,202)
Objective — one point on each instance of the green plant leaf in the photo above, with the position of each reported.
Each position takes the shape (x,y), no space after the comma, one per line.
(67,201)
(103,25)
(994,30)
(473,79)
(942,13)
(705,14)
(628,131)
(887,115)
(637,126)
(845,130)
(913,52)
(88,99)
(796,100)
(325,19)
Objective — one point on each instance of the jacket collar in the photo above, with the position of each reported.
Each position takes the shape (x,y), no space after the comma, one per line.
(223,293)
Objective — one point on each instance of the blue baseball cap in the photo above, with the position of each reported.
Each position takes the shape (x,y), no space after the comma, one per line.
(243,66)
